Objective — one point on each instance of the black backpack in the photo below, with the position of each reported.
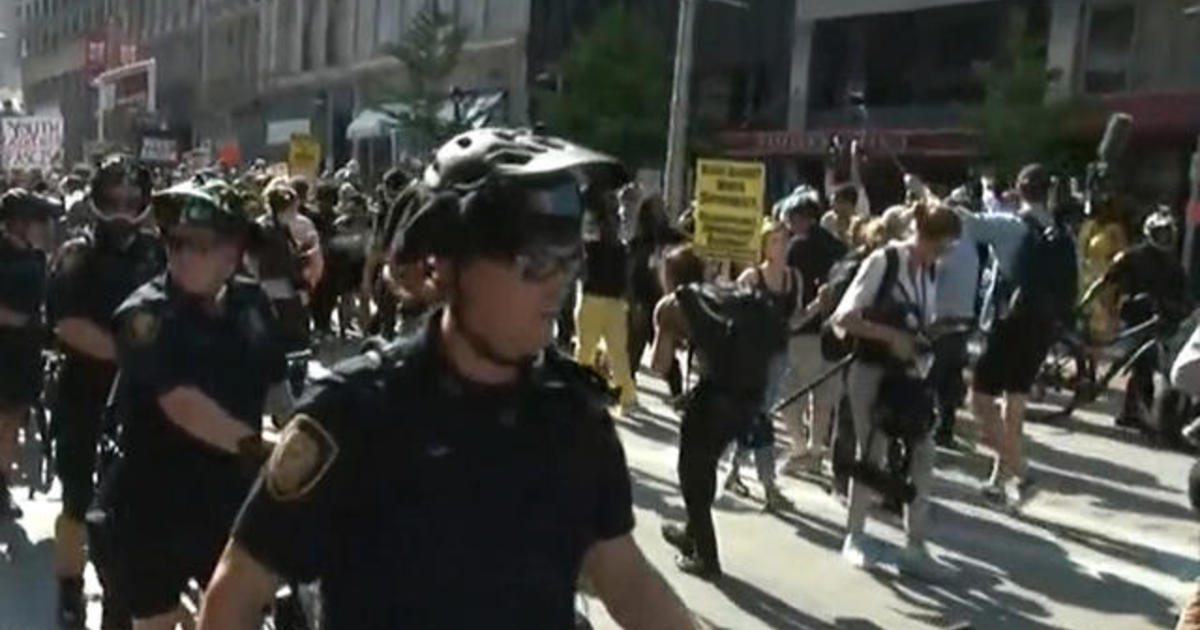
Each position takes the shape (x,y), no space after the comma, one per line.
(735,331)
(833,346)
(1046,276)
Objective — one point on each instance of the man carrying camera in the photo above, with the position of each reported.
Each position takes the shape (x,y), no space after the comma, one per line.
(887,310)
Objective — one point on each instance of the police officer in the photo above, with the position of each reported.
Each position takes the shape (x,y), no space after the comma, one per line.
(1149,280)
(198,354)
(93,274)
(24,237)
(464,477)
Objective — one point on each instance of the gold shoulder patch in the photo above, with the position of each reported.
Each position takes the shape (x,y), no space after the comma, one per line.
(143,327)
(303,456)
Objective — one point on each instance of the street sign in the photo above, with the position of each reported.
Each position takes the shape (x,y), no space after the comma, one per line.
(31,142)
(304,155)
(729,210)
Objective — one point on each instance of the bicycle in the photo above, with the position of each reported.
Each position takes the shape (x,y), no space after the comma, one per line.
(1071,365)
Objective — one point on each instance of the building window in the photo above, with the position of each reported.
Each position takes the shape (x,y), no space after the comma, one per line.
(1109,51)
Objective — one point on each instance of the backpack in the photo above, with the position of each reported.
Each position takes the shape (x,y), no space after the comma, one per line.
(833,346)
(735,331)
(1046,275)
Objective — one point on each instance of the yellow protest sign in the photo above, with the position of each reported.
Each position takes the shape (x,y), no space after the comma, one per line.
(729,209)
(304,155)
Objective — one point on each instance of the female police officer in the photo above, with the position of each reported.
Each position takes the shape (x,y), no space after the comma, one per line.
(465,477)
(198,352)
(24,235)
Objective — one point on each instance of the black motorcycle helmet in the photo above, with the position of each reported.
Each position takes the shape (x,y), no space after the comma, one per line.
(19,204)
(116,170)
(500,192)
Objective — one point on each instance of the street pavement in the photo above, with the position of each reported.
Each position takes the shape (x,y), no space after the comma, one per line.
(1108,544)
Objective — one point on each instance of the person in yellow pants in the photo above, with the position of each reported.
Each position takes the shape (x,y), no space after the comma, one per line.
(602,311)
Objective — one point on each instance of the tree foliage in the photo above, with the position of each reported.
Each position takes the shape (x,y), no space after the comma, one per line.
(429,50)
(615,89)
(1015,123)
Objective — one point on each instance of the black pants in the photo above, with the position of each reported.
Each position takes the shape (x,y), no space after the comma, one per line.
(1139,389)
(949,360)
(845,445)
(76,421)
(710,422)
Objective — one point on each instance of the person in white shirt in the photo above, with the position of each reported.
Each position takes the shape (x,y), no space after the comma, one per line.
(888,312)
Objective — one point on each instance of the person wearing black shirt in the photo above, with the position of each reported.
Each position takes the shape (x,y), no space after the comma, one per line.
(813,252)
(198,350)
(24,235)
(92,275)
(1150,281)
(651,235)
(602,312)
(468,476)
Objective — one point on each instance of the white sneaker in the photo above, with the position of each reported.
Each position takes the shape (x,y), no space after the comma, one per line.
(853,553)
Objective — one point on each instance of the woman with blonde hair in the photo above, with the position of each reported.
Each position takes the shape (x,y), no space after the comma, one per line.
(780,285)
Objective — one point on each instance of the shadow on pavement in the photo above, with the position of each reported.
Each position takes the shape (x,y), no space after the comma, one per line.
(26,581)
(1094,467)
(767,608)
(1004,552)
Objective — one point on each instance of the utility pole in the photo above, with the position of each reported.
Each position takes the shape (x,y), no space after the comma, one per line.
(203,90)
(1191,221)
(675,171)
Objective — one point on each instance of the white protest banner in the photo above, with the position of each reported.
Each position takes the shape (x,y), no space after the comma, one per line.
(31,142)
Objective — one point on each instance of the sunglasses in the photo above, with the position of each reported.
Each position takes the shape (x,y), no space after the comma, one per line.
(542,262)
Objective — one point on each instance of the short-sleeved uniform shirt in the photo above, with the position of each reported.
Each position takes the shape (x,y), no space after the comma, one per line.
(91,277)
(427,501)
(22,286)
(166,340)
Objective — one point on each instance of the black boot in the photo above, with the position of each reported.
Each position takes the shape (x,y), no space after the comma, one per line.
(72,611)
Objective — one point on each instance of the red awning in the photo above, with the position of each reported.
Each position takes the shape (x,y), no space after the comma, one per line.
(948,142)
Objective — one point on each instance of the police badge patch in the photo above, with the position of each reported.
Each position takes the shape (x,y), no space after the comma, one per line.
(143,327)
(304,455)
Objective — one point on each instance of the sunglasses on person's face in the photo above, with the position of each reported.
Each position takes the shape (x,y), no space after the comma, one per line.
(540,263)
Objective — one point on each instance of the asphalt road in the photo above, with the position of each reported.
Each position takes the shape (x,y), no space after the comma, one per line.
(1110,542)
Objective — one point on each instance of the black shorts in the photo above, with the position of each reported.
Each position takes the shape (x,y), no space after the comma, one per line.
(153,560)
(20,373)
(1014,352)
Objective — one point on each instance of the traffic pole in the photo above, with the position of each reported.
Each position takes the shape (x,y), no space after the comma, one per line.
(675,171)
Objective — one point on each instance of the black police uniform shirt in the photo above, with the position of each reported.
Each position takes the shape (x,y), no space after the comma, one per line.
(166,340)
(423,501)
(22,285)
(89,280)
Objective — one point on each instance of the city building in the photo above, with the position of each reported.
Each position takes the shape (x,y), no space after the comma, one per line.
(913,63)
(10,66)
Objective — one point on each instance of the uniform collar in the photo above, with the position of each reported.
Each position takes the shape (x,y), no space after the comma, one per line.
(424,349)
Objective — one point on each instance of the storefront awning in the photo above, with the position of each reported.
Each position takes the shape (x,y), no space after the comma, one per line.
(371,123)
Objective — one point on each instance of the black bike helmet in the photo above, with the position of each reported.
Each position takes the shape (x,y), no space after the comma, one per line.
(493,190)
(19,203)
(115,170)
(214,205)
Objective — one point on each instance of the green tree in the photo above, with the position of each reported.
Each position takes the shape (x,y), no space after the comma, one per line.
(615,89)
(1015,124)
(429,51)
